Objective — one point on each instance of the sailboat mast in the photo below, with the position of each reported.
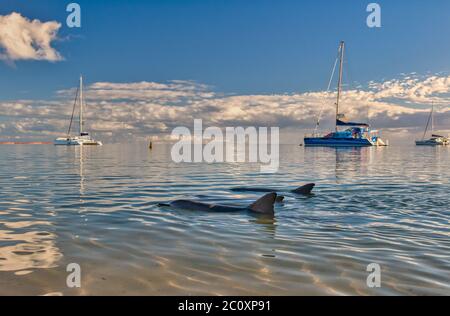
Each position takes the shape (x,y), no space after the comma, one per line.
(81,104)
(432,118)
(341,64)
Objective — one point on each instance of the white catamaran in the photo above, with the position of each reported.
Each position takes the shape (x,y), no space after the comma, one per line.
(83,138)
(435,140)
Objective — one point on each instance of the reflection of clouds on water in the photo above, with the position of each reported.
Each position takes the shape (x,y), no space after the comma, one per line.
(22,249)
(27,240)
(27,244)
(97,206)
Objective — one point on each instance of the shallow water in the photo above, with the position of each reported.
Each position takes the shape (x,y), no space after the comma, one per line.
(97,207)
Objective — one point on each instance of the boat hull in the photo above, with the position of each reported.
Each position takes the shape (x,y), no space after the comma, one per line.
(336,142)
(430,143)
(426,144)
(66,142)
(76,141)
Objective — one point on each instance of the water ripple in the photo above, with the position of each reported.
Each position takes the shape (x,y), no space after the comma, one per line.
(98,207)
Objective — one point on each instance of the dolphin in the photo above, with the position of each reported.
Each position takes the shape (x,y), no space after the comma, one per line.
(303,190)
(263,205)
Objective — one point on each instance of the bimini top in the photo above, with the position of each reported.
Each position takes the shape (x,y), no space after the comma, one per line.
(342,123)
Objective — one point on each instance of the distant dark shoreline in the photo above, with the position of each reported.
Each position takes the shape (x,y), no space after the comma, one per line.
(25,143)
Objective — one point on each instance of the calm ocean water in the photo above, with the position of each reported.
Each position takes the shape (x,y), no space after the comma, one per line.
(97,207)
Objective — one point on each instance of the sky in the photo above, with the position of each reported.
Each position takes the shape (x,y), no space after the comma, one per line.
(150,66)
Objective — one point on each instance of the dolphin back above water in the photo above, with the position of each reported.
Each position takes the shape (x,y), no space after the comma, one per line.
(264,205)
(304,190)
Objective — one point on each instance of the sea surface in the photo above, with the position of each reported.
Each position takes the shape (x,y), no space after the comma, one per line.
(97,207)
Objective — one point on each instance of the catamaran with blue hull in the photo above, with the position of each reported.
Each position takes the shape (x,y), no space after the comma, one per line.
(354,135)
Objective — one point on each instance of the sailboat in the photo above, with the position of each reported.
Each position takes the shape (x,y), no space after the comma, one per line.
(355,135)
(83,138)
(435,140)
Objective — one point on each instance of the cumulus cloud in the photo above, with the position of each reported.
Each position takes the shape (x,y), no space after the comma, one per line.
(415,89)
(144,109)
(25,39)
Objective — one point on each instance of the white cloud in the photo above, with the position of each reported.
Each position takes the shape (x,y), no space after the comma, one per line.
(415,89)
(145,109)
(25,39)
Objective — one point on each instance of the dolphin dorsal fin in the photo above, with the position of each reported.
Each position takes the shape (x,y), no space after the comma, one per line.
(264,205)
(306,189)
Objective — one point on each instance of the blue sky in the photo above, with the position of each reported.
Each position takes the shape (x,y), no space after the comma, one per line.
(240,46)
(230,62)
